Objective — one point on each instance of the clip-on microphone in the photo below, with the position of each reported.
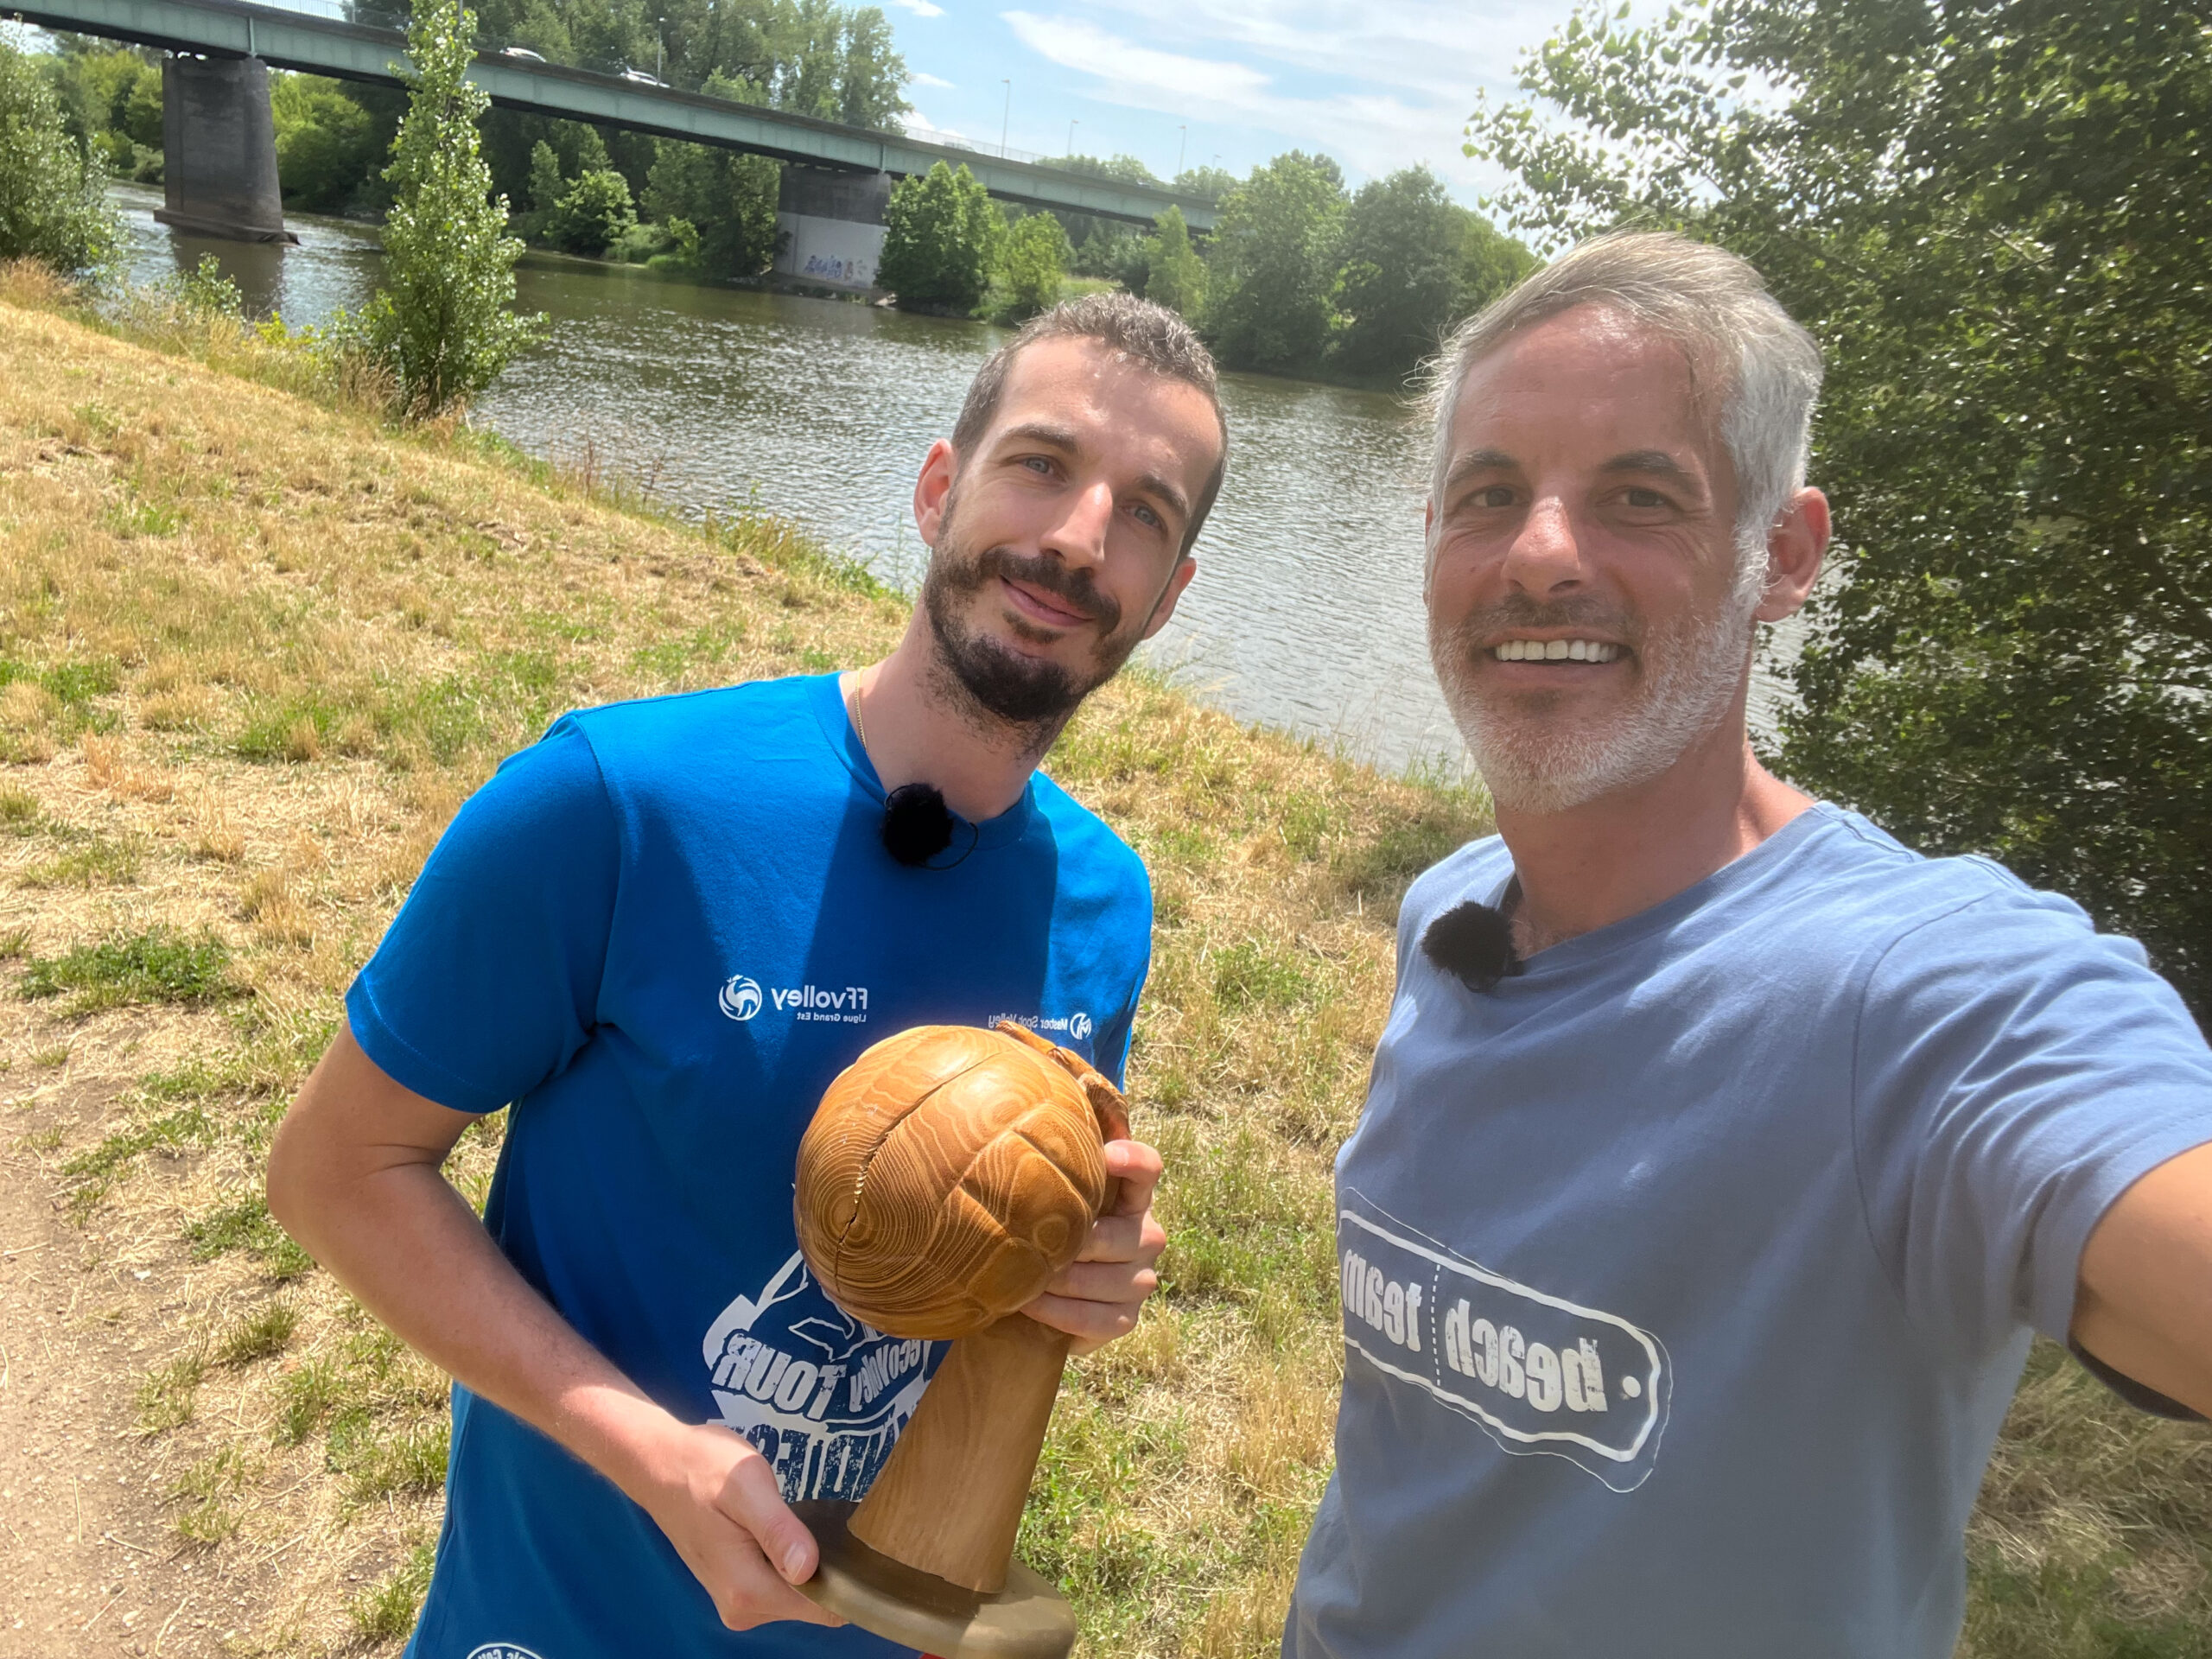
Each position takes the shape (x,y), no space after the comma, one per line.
(1473,943)
(916,823)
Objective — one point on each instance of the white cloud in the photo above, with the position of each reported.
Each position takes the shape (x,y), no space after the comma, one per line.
(918,125)
(920,8)
(1373,131)
(1440,50)
(921,80)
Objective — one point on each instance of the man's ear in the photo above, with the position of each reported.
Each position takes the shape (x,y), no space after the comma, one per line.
(1185,567)
(1795,548)
(939,467)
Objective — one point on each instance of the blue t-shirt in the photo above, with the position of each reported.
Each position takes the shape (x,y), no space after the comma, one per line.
(1687,1276)
(660,933)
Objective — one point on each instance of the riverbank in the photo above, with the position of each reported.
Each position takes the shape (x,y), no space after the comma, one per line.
(254,649)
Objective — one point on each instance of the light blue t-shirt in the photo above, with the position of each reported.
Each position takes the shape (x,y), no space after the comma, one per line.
(660,933)
(1687,1276)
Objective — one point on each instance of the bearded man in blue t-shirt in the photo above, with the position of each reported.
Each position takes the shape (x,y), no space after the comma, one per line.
(659,933)
(1721,1154)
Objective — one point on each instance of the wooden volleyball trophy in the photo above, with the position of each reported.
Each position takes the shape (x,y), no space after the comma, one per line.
(950,1172)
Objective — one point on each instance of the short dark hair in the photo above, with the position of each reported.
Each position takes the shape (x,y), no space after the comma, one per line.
(1136,331)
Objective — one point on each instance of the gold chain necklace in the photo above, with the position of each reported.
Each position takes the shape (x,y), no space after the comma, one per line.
(860,728)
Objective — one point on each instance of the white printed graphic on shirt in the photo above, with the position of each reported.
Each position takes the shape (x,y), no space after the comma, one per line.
(1538,1373)
(821,1394)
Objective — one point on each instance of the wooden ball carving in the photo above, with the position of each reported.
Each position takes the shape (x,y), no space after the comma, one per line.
(948,1174)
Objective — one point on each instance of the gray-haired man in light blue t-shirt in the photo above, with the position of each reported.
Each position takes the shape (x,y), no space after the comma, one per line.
(1722,1155)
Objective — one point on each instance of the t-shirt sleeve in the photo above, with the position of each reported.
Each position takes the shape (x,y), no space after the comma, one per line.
(2014,1073)
(487,982)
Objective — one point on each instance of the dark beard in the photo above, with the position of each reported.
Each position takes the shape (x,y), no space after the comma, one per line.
(1021,691)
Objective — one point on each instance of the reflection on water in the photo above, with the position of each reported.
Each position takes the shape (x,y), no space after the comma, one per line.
(1305,612)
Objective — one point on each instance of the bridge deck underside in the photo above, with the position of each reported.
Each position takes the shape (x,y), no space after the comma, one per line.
(320,46)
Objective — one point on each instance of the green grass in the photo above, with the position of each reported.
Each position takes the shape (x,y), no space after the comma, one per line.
(379,1464)
(247,1226)
(259,1335)
(1241,1218)
(158,965)
(92,1172)
(387,1613)
(1251,974)
(96,860)
(167,1392)
(73,683)
(309,1396)
(207,1489)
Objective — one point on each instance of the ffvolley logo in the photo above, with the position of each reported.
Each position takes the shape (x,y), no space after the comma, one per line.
(741,998)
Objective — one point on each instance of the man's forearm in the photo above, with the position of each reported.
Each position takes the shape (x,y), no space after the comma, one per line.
(389,1226)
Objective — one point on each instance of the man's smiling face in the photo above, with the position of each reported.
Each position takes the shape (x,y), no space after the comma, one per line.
(1057,547)
(1586,620)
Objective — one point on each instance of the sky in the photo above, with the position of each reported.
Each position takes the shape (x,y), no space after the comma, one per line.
(1222,83)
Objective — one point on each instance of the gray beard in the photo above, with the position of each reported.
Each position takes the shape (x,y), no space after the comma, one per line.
(1687,678)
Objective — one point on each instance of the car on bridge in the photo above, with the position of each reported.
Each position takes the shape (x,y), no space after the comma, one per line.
(522,53)
(644,79)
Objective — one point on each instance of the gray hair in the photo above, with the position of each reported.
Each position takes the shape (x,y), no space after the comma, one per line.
(1766,369)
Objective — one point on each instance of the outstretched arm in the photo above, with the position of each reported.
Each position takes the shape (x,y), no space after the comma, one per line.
(355,1176)
(2145,1304)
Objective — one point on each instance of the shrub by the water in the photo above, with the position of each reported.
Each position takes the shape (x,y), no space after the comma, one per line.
(52,206)
(592,213)
(1034,264)
(1175,276)
(940,241)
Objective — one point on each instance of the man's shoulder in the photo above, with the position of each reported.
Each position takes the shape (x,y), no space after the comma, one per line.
(1082,834)
(1477,870)
(752,713)
(1873,889)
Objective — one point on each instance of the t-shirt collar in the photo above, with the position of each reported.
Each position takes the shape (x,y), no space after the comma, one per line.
(1730,878)
(836,724)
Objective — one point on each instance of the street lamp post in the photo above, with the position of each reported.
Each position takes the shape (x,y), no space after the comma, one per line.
(1181,141)
(1072,125)
(1007,115)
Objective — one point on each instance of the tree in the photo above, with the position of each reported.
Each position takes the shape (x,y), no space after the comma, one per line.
(592,213)
(1121,169)
(442,320)
(1401,288)
(871,77)
(547,187)
(729,200)
(1212,182)
(1273,268)
(53,195)
(1176,276)
(1992,214)
(1032,263)
(940,241)
(325,142)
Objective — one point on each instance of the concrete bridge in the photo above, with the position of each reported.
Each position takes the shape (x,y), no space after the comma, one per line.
(220,155)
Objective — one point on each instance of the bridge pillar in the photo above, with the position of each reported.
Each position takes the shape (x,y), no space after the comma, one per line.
(219,150)
(835,223)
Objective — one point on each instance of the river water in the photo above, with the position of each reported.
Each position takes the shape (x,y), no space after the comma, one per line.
(1305,614)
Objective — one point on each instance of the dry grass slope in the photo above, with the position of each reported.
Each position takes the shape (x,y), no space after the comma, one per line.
(253,652)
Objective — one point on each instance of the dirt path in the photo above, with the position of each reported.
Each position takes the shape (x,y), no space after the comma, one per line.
(90,1562)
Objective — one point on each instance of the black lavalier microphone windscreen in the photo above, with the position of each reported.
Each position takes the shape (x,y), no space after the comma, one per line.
(916,823)
(1475,944)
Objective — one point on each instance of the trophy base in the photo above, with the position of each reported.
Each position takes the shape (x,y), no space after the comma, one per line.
(1029,1619)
